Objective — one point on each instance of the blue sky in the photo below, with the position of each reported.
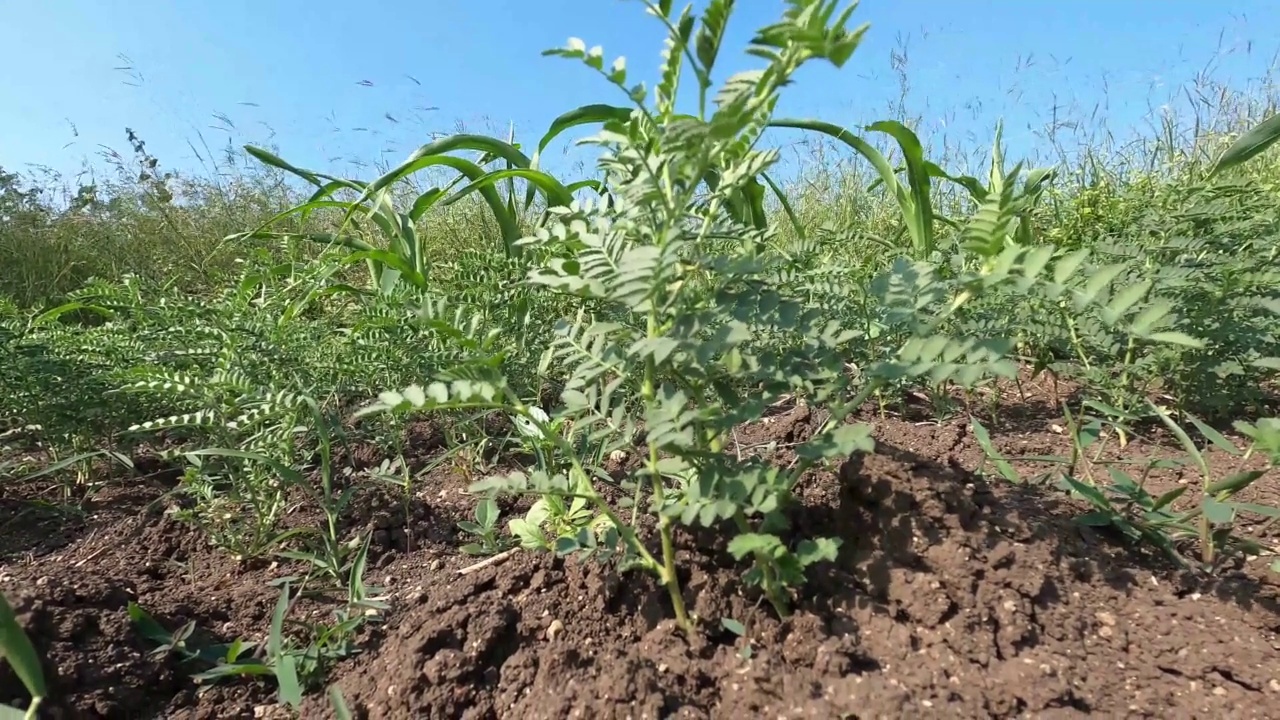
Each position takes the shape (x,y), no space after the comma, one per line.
(323,79)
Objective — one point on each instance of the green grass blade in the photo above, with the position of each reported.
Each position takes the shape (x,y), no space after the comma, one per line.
(911,213)
(585,115)
(392,267)
(753,200)
(326,239)
(424,202)
(287,678)
(1183,439)
(275,640)
(275,161)
(1003,466)
(423,159)
(323,195)
(286,472)
(340,709)
(585,184)
(317,201)
(556,193)
(918,180)
(786,206)
(490,146)
(1252,143)
(55,313)
(975,187)
(68,462)
(147,626)
(8,712)
(17,650)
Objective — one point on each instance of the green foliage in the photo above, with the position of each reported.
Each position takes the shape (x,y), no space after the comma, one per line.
(673,320)
(297,666)
(554,520)
(17,651)
(1119,498)
(684,308)
(642,315)
(1183,306)
(1249,145)
(912,196)
(484,529)
(134,219)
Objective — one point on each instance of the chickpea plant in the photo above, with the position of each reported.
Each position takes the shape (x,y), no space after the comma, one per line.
(683,329)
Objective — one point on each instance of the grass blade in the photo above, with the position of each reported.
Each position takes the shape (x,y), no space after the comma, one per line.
(585,115)
(340,709)
(555,192)
(1252,143)
(786,206)
(918,181)
(919,221)
(17,650)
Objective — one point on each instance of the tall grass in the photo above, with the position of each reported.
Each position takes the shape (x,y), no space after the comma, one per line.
(137,217)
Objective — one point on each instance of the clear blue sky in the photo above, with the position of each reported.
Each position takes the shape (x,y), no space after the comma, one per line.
(290,72)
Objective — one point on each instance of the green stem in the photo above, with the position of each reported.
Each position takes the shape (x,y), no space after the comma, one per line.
(1128,362)
(1075,341)
(667,574)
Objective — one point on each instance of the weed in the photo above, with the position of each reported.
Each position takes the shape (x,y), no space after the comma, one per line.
(484,529)
(1119,498)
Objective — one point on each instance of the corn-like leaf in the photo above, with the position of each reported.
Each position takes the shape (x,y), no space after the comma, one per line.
(1251,144)
(430,155)
(556,193)
(918,181)
(267,158)
(16,649)
(918,219)
(339,703)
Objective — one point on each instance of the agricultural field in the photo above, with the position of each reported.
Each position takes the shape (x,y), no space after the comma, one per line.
(675,439)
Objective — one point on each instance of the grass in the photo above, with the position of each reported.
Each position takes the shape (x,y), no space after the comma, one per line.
(244,323)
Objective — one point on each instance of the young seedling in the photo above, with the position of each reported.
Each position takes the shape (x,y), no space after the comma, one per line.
(554,520)
(1217,512)
(296,667)
(484,529)
(1121,501)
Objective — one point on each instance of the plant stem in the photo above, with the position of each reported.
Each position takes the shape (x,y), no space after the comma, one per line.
(669,576)
(667,572)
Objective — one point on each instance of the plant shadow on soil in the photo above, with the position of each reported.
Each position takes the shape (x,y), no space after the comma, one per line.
(951,596)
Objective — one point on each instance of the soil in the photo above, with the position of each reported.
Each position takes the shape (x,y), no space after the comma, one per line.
(956,594)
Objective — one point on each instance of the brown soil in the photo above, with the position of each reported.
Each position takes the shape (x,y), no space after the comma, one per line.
(953,596)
